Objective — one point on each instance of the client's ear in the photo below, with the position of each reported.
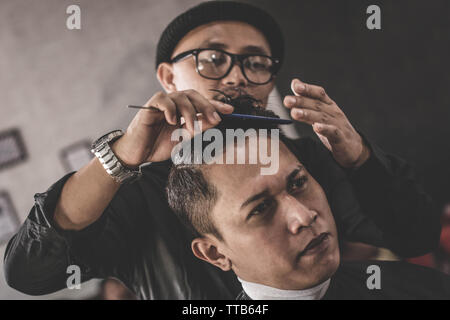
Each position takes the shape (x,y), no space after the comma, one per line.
(205,249)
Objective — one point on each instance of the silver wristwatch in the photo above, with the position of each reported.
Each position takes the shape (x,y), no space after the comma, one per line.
(119,172)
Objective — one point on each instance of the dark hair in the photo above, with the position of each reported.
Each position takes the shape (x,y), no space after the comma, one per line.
(192,198)
(190,195)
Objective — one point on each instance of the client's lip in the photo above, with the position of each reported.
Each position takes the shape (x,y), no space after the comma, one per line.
(316,245)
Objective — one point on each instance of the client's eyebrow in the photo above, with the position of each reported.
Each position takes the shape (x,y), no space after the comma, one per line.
(255,197)
(289,179)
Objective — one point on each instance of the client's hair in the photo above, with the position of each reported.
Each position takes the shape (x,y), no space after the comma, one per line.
(189,193)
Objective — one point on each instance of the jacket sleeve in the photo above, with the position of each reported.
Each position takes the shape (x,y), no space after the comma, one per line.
(38,255)
(379,203)
(389,193)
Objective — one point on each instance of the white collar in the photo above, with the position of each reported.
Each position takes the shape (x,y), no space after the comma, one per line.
(258,291)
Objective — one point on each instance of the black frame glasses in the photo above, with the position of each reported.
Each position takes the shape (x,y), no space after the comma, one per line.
(234,58)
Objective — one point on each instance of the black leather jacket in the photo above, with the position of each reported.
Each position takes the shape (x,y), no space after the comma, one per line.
(139,240)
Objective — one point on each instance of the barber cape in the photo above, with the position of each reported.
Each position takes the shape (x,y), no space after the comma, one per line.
(256,291)
(369,280)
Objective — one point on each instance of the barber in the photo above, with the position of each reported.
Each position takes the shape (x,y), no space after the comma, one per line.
(111,217)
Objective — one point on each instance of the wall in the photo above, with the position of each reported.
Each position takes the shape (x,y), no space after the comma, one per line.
(393,83)
(60,86)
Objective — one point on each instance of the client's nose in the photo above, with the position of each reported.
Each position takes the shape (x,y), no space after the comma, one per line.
(298,215)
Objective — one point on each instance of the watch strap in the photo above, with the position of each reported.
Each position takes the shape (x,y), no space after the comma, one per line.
(118,171)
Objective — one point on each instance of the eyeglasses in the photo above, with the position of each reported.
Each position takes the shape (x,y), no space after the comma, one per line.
(216,64)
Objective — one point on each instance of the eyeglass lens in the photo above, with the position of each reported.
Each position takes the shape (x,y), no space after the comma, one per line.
(215,64)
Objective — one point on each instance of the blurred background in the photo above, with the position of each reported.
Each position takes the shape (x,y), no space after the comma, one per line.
(60,89)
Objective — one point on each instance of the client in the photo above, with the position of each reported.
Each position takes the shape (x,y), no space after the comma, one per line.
(277,233)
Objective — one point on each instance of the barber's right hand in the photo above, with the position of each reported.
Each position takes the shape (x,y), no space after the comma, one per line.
(147,138)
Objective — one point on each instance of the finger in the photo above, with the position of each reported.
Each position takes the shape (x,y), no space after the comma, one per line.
(304,102)
(310,90)
(311,116)
(325,142)
(221,106)
(162,102)
(331,132)
(186,110)
(203,106)
(218,106)
(205,124)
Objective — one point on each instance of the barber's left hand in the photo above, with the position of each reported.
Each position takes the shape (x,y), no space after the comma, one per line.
(311,104)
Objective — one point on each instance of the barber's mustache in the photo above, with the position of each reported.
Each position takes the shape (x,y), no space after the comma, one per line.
(231,92)
(236,96)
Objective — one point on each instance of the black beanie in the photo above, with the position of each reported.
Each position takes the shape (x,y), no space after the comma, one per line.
(210,11)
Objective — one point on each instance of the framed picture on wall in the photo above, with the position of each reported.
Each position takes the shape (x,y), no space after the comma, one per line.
(9,221)
(76,155)
(12,148)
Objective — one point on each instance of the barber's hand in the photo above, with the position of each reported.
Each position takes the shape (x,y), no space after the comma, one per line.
(148,137)
(311,104)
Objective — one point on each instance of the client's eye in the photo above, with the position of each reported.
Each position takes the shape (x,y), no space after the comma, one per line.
(298,184)
(260,208)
